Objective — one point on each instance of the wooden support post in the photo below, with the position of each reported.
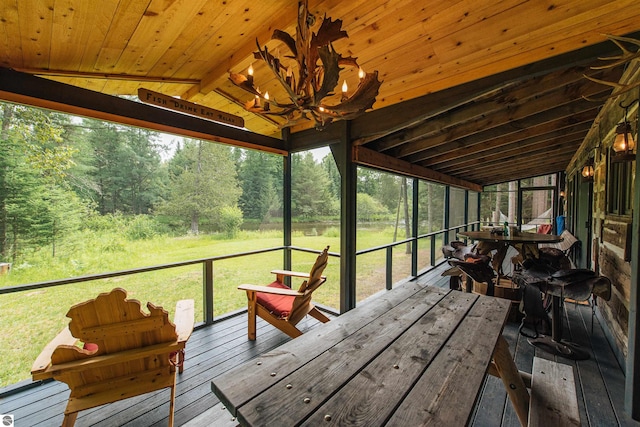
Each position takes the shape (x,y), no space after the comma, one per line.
(207,279)
(389,269)
(348,221)
(286,209)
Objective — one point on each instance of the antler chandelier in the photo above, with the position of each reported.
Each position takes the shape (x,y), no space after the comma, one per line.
(310,76)
(626,56)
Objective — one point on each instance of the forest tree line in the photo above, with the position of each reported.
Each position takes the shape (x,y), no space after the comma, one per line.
(60,174)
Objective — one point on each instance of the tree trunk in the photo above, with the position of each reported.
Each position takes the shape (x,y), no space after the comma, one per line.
(395,230)
(407,222)
(429,207)
(195,216)
(496,213)
(194,224)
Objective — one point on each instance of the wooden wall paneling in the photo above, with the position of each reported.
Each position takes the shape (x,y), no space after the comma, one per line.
(618,271)
(632,379)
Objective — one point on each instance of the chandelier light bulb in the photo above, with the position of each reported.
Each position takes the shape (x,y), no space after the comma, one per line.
(266,102)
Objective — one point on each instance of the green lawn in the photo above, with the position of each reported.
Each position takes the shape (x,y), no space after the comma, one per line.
(30,319)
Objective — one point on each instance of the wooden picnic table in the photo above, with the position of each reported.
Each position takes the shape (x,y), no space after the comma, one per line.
(416,355)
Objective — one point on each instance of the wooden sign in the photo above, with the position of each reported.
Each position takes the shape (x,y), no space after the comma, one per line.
(165,101)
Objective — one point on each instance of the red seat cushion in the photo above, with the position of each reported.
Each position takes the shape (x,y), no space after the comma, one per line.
(280,305)
(545,228)
(89,346)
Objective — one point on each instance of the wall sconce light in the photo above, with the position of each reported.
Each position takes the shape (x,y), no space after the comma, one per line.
(624,144)
(562,193)
(588,171)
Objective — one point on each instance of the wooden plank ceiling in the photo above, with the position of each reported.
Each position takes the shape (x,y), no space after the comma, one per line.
(479,91)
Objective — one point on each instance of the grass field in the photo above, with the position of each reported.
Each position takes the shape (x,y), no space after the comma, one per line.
(30,319)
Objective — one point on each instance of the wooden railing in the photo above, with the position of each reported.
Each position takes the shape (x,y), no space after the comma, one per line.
(434,250)
(208,276)
(207,265)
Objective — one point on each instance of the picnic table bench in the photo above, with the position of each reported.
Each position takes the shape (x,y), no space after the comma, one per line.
(415,355)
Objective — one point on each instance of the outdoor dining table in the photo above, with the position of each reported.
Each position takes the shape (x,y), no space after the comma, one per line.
(526,242)
(415,355)
(555,343)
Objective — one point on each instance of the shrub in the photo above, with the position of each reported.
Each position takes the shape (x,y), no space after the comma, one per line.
(332,232)
(230,220)
(142,227)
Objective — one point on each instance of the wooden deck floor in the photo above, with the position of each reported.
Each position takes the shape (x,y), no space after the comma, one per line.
(215,349)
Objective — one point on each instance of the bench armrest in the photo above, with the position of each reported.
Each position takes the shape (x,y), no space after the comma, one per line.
(269,290)
(43,361)
(184,319)
(280,274)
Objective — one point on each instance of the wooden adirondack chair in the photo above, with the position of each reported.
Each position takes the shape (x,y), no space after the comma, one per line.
(282,306)
(126,352)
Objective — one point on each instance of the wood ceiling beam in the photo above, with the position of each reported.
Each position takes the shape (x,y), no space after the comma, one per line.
(40,92)
(500,177)
(365,157)
(519,169)
(512,159)
(549,131)
(498,101)
(547,161)
(463,165)
(549,106)
(384,121)
(105,76)
(535,135)
(528,173)
(507,123)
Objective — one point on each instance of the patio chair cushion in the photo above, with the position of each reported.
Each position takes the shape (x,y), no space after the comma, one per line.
(89,346)
(280,305)
(545,228)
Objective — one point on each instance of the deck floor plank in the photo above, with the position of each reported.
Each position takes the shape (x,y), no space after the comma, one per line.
(216,349)
(596,401)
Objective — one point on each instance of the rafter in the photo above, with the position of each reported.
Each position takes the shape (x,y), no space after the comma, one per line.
(106,76)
